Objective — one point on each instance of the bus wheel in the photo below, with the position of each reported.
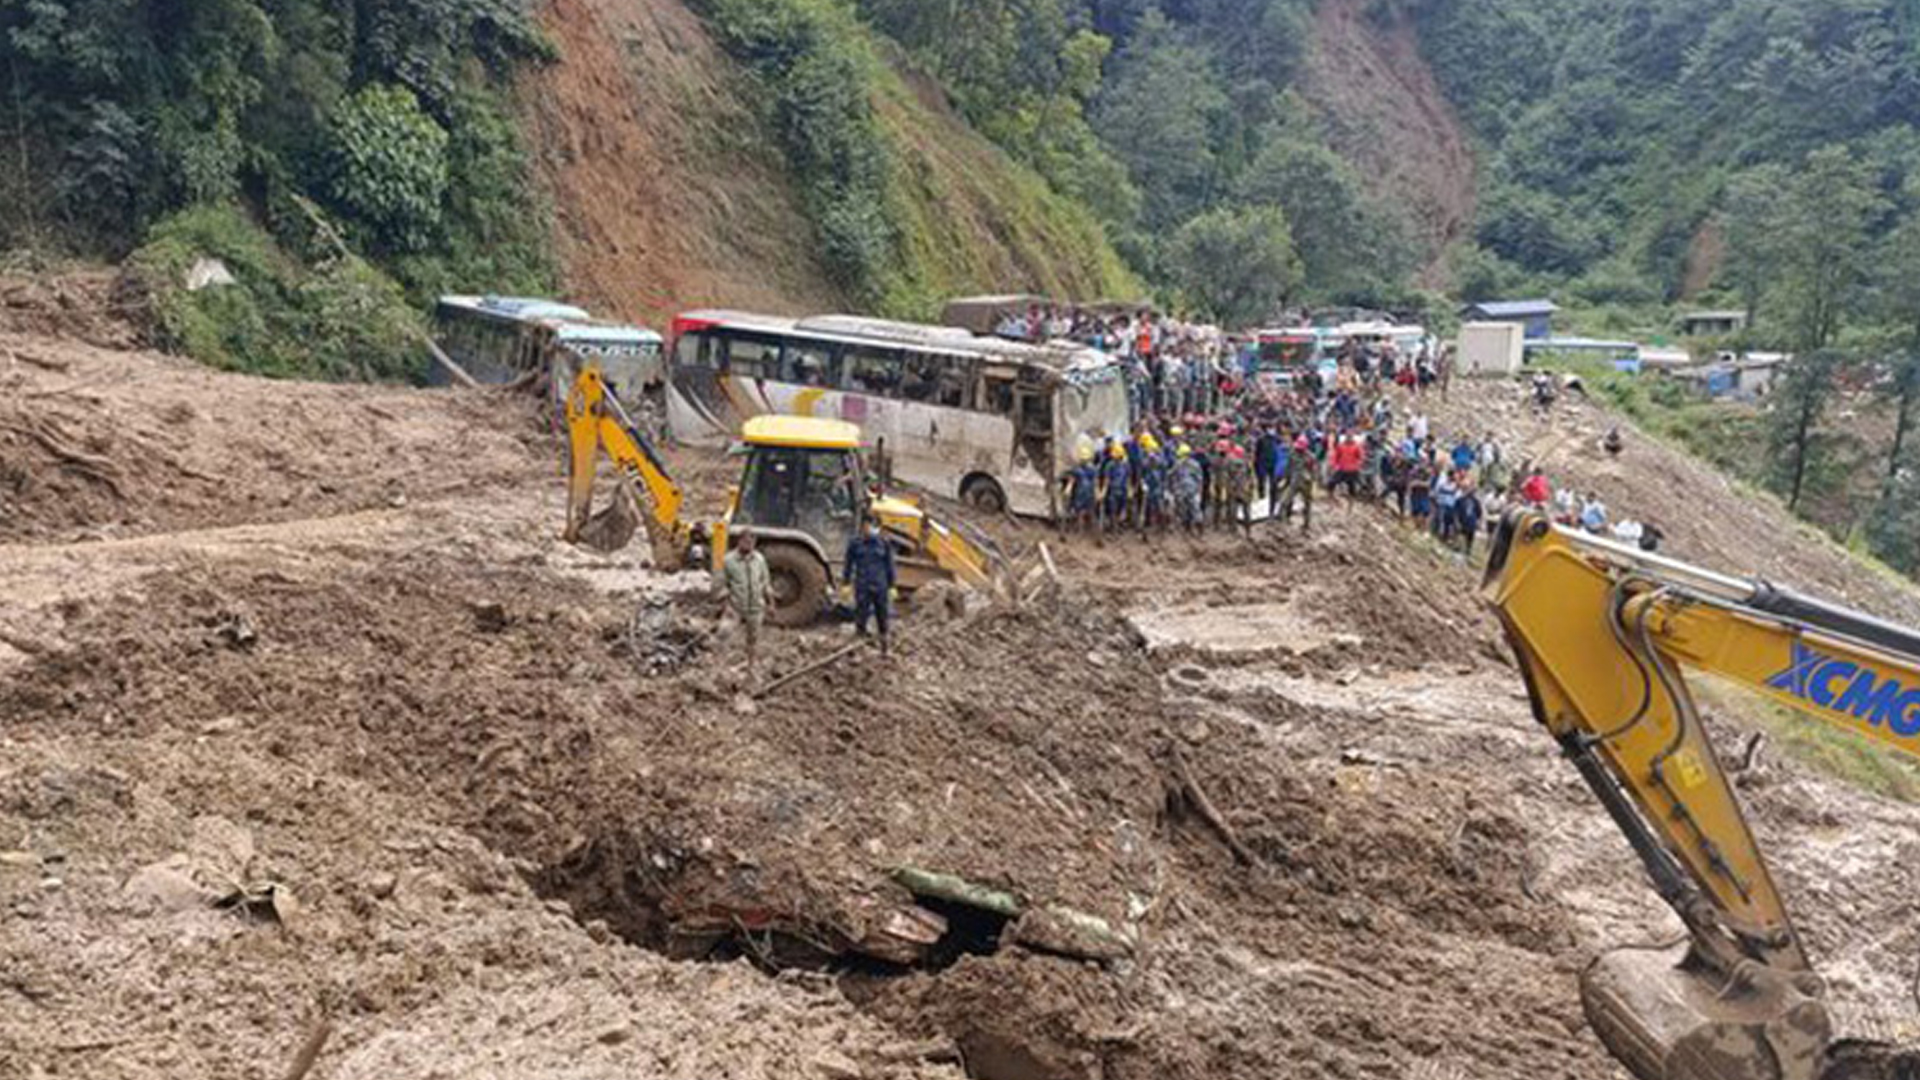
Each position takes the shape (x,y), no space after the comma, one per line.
(983,494)
(797,585)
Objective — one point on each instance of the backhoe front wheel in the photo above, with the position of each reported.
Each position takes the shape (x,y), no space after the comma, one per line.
(797,581)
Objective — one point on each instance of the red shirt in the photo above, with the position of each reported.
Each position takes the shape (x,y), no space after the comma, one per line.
(1536,490)
(1348,455)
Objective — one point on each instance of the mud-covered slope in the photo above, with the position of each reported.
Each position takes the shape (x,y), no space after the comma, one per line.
(1388,116)
(670,192)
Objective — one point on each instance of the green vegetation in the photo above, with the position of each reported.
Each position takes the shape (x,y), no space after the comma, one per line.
(888,188)
(337,319)
(1233,263)
(227,127)
(1155,115)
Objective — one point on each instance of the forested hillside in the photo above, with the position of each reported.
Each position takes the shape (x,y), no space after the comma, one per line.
(350,157)
(1629,145)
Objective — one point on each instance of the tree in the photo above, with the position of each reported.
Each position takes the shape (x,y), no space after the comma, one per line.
(1347,246)
(1157,114)
(390,166)
(1794,441)
(1820,232)
(1236,265)
(1750,209)
(1899,272)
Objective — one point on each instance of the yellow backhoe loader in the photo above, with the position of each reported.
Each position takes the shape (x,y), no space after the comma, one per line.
(803,494)
(1603,633)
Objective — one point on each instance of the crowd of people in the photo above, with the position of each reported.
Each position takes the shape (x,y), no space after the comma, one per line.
(1265,450)
(1173,365)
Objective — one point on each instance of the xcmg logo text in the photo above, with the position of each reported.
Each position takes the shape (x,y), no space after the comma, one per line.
(1846,687)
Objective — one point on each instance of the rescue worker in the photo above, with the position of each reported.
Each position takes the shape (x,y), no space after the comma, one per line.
(1266,454)
(1153,484)
(870,568)
(1301,467)
(1115,478)
(1083,491)
(747,582)
(1239,488)
(1189,480)
(1219,503)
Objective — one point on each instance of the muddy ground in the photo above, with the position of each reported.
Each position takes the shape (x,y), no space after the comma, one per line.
(343,736)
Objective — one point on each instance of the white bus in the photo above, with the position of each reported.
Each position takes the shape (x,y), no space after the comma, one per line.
(497,339)
(990,422)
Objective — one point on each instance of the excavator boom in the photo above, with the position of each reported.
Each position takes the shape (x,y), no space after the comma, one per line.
(1603,633)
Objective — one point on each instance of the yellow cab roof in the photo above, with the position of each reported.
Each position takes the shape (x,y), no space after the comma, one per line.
(805,432)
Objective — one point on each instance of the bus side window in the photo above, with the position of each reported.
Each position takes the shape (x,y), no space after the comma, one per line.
(809,363)
(870,370)
(920,378)
(956,379)
(752,358)
(998,397)
(695,351)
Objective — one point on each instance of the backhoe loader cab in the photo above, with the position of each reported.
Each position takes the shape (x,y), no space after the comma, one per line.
(804,494)
(801,493)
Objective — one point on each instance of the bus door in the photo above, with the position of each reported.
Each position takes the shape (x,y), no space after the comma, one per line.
(1033,422)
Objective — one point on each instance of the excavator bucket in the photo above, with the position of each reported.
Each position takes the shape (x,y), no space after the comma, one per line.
(1666,1016)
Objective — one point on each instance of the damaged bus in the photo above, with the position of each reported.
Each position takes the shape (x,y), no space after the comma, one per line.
(993,423)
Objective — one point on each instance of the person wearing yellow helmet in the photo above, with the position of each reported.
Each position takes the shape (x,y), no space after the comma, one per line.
(1188,481)
(1083,489)
(1116,478)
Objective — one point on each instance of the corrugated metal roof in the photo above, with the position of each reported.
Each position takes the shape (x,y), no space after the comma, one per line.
(1511,309)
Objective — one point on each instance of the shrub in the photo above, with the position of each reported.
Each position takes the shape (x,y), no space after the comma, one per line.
(344,320)
(389,166)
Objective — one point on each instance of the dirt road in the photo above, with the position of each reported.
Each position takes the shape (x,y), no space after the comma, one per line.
(516,851)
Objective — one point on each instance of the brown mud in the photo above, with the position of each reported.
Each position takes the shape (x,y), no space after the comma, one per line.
(1294,778)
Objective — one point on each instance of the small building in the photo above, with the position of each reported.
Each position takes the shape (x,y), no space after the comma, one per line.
(1658,359)
(1748,378)
(1753,374)
(1712,323)
(1535,316)
(1491,348)
(1624,356)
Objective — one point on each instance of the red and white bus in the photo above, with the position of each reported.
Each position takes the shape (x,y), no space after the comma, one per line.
(991,422)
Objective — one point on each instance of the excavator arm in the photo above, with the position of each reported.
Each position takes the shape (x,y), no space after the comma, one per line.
(1603,634)
(596,423)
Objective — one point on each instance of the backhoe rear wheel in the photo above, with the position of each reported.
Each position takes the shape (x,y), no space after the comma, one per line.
(798,585)
(983,494)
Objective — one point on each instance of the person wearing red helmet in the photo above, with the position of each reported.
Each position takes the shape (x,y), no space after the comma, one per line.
(1302,466)
(1239,487)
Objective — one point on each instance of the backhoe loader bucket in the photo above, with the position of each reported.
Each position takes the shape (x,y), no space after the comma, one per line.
(612,527)
(1667,1016)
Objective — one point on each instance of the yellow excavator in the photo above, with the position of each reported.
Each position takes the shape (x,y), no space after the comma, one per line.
(1603,633)
(803,493)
